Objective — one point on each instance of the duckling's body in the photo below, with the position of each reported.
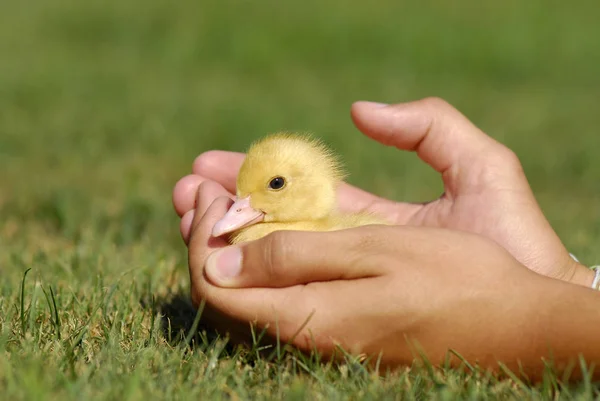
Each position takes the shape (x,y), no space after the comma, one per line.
(288,182)
(329,223)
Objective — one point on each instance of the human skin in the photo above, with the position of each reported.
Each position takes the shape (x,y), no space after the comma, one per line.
(485,189)
(467,281)
(384,291)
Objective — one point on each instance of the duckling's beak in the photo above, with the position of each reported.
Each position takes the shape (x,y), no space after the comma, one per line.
(239,215)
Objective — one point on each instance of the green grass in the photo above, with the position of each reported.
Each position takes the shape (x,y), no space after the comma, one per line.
(105,104)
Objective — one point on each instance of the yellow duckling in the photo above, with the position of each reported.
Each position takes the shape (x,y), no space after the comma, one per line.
(287,182)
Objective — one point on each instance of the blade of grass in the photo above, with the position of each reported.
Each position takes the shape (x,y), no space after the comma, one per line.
(23,319)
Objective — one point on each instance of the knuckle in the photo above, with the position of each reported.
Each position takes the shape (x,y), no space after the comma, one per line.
(436,103)
(509,157)
(276,250)
(370,240)
(505,161)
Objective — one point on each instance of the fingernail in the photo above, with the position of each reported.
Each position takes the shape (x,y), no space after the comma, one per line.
(225,264)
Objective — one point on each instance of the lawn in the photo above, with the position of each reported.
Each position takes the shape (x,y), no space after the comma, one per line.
(104,104)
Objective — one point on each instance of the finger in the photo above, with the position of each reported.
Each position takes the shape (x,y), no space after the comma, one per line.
(288,258)
(185,225)
(441,135)
(184,193)
(219,166)
(260,305)
(205,194)
(201,243)
(223,167)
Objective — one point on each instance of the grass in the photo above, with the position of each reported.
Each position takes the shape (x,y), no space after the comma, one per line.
(104,105)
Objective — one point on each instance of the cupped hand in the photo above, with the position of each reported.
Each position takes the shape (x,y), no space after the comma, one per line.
(485,189)
(388,291)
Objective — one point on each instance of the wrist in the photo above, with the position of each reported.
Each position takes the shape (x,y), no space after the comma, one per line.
(560,325)
(566,324)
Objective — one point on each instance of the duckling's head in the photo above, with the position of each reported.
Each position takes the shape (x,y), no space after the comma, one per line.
(284,178)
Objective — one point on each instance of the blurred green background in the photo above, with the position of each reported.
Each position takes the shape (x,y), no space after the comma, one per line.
(104,104)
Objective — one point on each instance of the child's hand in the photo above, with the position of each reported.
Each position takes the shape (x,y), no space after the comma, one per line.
(486,191)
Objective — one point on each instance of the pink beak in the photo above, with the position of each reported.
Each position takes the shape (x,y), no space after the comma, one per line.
(239,215)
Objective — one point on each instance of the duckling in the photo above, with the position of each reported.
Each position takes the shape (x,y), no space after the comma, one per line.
(288,182)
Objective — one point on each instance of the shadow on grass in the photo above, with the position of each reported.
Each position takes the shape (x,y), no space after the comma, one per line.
(178,321)
(181,326)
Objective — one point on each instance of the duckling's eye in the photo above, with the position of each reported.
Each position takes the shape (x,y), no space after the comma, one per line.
(277,183)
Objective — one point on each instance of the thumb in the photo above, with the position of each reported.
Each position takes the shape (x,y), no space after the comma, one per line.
(288,258)
(440,134)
